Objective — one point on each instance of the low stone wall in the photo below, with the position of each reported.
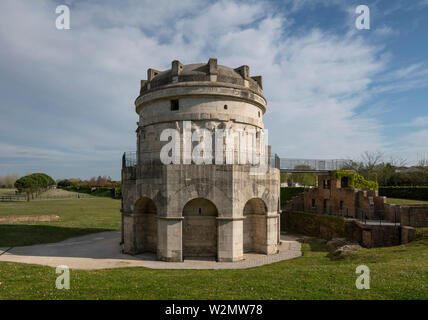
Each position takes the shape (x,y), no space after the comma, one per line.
(414,215)
(316,225)
(329,227)
(372,236)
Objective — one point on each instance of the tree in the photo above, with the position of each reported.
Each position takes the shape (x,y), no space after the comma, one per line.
(64,183)
(33,183)
(304,179)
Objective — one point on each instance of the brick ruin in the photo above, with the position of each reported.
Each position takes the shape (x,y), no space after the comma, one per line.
(335,196)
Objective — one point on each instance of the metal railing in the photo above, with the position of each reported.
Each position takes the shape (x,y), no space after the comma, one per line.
(132,159)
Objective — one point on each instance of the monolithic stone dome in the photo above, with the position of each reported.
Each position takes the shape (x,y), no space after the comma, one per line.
(201,72)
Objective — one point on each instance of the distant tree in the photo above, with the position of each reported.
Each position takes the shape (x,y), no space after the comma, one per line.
(283,177)
(33,183)
(304,179)
(64,183)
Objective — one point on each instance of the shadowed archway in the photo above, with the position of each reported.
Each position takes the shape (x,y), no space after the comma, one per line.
(147,225)
(200,228)
(254,226)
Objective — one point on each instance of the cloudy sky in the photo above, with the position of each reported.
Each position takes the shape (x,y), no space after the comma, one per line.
(333,90)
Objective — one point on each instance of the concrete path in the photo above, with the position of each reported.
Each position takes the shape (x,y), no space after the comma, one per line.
(102,251)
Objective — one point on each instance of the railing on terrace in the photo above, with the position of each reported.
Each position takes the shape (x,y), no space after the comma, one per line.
(130,159)
(311,165)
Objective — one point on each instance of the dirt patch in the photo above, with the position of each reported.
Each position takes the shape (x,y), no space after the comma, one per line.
(42,218)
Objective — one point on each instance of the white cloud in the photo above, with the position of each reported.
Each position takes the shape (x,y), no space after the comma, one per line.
(420,122)
(74,90)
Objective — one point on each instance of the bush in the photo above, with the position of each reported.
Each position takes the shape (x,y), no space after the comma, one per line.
(412,193)
(287,193)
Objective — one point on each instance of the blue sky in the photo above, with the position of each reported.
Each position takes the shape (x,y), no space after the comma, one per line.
(333,91)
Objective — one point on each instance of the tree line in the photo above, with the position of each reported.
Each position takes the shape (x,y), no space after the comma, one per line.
(372,166)
(391,172)
(100,181)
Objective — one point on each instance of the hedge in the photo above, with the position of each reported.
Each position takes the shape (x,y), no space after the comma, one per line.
(412,193)
(287,193)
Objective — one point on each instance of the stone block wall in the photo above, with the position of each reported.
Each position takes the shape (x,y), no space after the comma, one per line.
(414,216)
(372,236)
(330,198)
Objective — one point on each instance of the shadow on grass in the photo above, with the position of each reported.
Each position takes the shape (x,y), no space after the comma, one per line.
(13,235)
(316,245)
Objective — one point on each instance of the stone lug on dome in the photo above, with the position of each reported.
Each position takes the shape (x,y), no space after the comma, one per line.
(244,71)
(176,68)
(151,73)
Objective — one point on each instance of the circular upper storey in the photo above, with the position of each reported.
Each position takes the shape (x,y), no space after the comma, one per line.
(201,80)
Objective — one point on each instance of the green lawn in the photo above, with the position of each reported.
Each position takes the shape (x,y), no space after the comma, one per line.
(396,272)
(405,201)
(78,217)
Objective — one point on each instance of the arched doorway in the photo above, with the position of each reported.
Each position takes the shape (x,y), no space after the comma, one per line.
(254,226)
(146,225)
(200,228)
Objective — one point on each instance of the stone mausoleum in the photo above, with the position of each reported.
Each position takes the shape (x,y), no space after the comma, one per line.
(188,209)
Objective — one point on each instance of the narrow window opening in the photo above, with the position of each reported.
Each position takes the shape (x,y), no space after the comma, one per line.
(225,107)
(174,105)
(200,211)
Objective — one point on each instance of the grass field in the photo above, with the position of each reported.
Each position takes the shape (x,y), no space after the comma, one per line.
(78,217)
(396,272)
(405,201)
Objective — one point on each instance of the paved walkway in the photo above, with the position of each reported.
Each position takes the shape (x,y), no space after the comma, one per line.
(102,251)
